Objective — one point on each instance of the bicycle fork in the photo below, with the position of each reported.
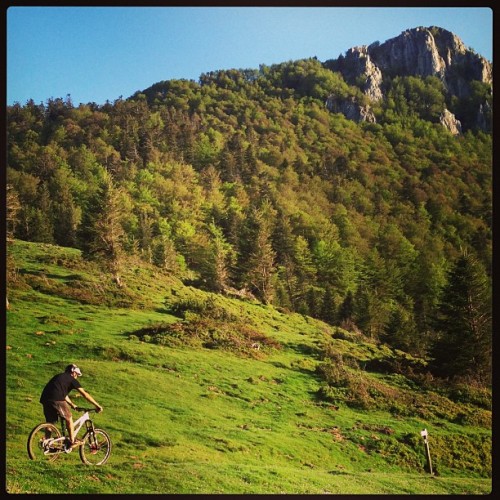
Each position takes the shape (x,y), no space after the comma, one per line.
(92,440)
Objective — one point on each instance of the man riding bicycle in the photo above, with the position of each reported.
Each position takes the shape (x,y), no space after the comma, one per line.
(56,402)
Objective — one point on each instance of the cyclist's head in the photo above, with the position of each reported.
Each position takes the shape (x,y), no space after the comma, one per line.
(73,369)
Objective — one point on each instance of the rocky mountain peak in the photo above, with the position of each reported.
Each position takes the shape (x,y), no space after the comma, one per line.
(419,52)
(428,52)
(414,52)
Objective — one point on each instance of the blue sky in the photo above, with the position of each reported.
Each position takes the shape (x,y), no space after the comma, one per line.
(101,53)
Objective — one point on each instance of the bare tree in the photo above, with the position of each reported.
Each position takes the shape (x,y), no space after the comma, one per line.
(13,206)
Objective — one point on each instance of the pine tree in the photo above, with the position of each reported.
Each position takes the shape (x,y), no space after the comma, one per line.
(400,332)
(219,259)
(463,321)
(328,311)
(346,310)
(42,227)
(262,259)
(66,215)
(103,232)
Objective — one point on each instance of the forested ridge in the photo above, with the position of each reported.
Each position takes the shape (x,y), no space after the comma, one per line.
(244,183)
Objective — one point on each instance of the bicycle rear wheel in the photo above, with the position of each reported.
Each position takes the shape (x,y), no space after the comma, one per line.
(39,442)
(96,447)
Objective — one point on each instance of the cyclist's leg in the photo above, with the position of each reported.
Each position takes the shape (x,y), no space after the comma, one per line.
(64,412)
(71,428)
(51,416)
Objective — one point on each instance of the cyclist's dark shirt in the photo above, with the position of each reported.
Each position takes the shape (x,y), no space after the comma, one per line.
(58,387)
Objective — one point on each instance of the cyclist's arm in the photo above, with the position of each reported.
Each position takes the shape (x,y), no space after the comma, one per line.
(70,403)
(89,398)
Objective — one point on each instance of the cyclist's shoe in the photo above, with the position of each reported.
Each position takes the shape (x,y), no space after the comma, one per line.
(67,445)
(70,446)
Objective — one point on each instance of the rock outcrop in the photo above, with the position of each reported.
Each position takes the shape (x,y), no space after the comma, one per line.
(432,52)
(350,109)
(418,52)
(448,120)
(359,65)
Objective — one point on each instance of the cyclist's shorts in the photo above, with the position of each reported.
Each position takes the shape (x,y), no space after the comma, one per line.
(53,409)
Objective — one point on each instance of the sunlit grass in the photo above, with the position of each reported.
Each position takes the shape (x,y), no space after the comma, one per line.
(195,420)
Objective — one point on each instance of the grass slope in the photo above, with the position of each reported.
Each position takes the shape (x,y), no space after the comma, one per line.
(199,409)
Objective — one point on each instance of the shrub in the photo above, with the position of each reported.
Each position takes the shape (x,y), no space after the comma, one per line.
(343,384)
(233,336)
(468,394)
(331,394)
(206,306)
(351,336)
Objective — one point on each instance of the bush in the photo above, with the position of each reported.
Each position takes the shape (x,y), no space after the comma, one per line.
(343,384)
(233,336)
(206,306)
(468,394)
(331,394)
(351,336)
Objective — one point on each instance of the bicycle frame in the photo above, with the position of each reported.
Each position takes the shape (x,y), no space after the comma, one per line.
(77,425)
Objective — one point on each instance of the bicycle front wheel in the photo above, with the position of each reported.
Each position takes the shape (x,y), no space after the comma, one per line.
(40,442)
(96,447)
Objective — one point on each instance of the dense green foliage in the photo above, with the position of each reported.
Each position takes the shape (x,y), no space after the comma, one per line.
(245,183)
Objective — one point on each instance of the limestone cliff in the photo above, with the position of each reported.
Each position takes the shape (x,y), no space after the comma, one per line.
(431,52)
(418,52)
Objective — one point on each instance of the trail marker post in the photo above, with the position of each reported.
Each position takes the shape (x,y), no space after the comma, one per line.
(425,435)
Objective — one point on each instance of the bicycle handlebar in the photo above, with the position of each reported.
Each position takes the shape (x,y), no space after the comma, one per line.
(78,408)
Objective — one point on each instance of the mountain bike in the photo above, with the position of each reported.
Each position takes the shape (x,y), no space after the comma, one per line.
(47,442)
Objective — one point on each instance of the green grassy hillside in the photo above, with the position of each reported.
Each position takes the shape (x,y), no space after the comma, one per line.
(207,394)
